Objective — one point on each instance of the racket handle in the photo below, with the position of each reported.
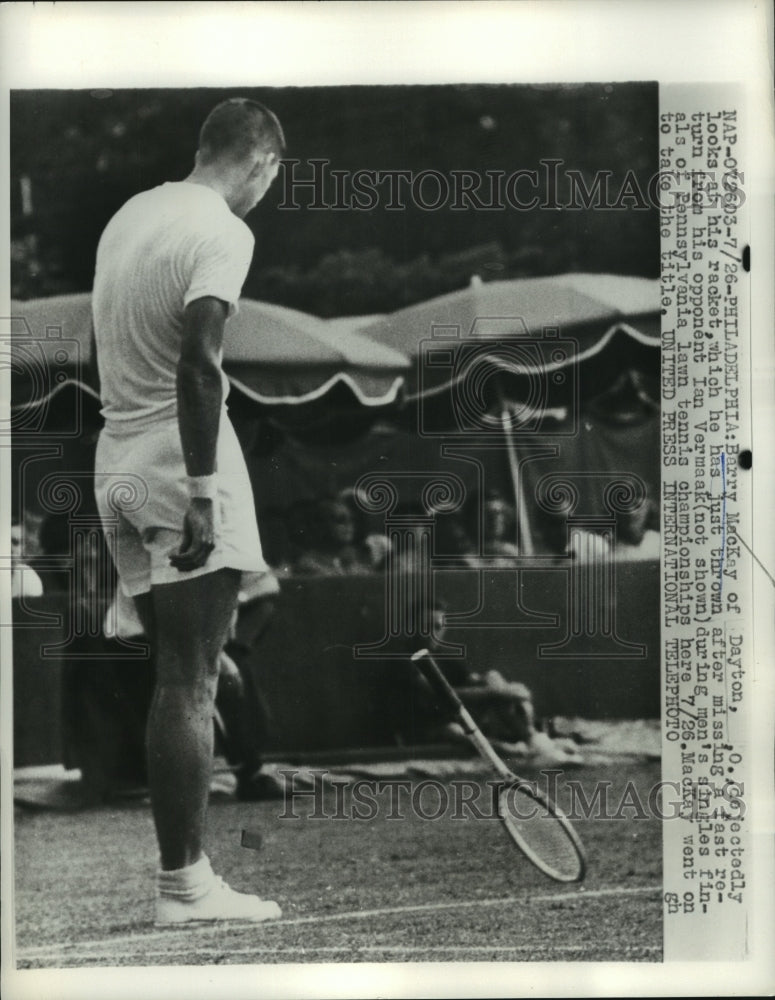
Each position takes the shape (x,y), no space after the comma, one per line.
(438,682)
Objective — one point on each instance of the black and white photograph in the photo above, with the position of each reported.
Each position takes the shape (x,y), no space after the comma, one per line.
(381,542)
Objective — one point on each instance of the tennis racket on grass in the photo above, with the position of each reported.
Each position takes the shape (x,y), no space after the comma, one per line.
(535,824)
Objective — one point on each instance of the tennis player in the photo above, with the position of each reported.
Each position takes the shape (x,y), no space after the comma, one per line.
(170,267)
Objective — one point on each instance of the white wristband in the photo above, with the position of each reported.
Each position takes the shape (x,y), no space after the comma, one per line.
(203,487)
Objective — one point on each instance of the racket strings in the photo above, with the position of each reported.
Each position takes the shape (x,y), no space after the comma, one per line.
(547,839)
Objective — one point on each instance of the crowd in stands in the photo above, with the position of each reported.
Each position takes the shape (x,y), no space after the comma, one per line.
(331,535)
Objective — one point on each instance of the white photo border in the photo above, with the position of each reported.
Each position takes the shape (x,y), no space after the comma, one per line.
(77,45)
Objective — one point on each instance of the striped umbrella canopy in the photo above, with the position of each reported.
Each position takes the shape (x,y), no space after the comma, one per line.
(273,354)
(277,355)
(527,326)
(506,354)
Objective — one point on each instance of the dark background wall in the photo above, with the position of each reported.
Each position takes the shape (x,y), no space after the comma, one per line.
(322,698)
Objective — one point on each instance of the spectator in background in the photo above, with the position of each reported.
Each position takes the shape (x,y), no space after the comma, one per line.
(412,546)
(451,537)
(502,709)
(66,569)
(98,724)
(584,546)
(589,546)
(335,549)
(300,520)
(25,582)
(637,533)
(243,709)
(492,518)
(499,522)
(55,541)
(637,537)
(375,541)
(32,523)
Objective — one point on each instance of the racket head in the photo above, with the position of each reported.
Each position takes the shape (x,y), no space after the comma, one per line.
(541,831)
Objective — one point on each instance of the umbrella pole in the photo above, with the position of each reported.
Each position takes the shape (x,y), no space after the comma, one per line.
(524,537)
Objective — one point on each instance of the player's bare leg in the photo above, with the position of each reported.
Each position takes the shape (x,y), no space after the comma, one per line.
(190,624)
(191,620)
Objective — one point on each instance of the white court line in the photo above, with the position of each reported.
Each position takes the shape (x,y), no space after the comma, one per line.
(76,948)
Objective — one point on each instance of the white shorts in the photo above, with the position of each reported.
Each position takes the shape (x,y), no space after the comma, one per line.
(142,495)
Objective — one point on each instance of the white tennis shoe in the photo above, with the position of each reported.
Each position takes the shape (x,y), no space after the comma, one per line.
(220,903)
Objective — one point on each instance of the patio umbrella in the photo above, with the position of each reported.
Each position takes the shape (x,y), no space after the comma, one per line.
(282,356)
(48,349)
(272,354)
(588,310)
(528,329)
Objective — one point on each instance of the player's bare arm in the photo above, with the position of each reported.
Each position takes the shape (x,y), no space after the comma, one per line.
(200,396)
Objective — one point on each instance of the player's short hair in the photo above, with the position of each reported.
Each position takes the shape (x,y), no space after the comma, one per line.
(238,128)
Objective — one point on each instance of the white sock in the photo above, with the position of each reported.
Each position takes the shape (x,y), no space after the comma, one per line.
(187,884)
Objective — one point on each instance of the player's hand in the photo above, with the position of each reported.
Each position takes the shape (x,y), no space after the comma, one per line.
(198,536)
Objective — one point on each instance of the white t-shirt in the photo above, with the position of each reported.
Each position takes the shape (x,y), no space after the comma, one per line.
(165,248)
